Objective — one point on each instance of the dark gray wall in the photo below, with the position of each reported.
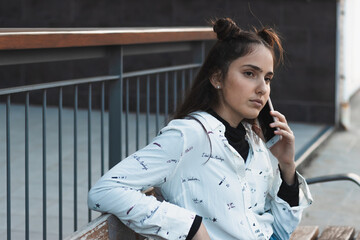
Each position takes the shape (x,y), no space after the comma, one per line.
(304,88)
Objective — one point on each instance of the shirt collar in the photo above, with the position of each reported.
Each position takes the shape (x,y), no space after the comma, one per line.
(209,121)
(212,124)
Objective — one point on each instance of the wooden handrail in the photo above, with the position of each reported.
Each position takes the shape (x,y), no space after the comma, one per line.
(32,38)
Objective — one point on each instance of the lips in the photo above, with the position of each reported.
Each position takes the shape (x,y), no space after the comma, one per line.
(257,102)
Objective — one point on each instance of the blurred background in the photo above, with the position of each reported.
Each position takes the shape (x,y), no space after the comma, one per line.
(313,89)
(319,37)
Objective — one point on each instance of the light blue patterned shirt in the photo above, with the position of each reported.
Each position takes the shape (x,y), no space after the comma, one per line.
(237,199)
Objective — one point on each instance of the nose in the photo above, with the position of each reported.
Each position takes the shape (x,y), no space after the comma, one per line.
(263,87)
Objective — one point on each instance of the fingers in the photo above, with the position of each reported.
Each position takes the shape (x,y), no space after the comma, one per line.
(281,125)
(286,134)
(278,115)
(284,150)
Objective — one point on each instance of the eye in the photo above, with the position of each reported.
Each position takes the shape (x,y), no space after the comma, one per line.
(249,74)
(268,79)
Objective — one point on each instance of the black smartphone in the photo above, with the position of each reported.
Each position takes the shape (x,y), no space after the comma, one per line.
(265,119)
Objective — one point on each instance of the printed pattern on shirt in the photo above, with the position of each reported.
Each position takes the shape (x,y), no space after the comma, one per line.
(244,198)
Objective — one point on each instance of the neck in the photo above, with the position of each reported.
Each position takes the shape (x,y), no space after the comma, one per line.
(233,121)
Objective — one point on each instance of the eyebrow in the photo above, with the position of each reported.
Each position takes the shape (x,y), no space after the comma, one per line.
(256,68)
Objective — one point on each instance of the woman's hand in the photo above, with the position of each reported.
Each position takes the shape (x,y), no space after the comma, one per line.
(201,234)
(284,150)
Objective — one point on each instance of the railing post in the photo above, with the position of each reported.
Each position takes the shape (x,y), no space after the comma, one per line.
(115,105)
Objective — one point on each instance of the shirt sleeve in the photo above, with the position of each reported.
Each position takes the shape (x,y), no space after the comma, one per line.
(286,217)
(119,191)
(289,193)
(194,227)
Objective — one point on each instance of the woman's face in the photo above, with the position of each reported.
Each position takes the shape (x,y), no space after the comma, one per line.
(246,87)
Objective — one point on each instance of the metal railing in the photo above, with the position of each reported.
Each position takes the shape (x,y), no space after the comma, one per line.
(57,143)
(335,177)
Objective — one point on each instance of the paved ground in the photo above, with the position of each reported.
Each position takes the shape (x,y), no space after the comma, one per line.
(336,203)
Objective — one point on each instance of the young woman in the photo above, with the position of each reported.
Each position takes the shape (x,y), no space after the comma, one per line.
(209,163)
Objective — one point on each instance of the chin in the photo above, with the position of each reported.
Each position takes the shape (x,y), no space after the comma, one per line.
(253,115)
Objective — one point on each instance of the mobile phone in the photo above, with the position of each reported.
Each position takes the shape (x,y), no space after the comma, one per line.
(265,119)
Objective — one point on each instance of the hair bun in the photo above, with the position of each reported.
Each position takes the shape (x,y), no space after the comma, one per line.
(226,28)
(268,35)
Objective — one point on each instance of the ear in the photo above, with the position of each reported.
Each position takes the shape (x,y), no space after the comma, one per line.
(215,80)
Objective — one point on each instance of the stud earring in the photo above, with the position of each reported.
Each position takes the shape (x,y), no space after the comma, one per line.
(218,87)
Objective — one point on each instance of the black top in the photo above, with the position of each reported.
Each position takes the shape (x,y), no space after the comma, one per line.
(235,136)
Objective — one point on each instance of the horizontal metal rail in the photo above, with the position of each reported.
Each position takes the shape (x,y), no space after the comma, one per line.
(65,83)
(57,84)
(335,177)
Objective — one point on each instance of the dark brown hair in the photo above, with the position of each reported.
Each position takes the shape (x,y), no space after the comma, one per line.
(232,43)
